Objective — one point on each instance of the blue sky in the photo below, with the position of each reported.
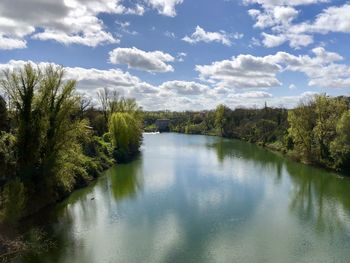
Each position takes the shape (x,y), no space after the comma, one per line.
(186,54)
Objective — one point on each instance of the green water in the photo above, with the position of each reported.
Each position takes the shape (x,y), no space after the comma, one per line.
(203,199)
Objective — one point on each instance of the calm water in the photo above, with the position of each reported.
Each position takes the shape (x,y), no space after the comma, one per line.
(203,199)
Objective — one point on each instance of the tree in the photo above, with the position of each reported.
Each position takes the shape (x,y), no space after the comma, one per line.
(61,130)
(20,86)
(109,101)
(302,121)
(221,118)
(49,135)
(340,147)
(126,134)
(327,111)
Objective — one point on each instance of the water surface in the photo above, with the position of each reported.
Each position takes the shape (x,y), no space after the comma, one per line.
(203,199)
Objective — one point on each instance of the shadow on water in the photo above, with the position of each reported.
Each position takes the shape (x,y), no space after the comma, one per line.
(81,210)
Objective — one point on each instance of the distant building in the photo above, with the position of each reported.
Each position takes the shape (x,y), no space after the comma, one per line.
(163,125)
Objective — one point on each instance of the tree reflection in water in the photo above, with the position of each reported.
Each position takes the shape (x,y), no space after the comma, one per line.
(316,196)
(126,180)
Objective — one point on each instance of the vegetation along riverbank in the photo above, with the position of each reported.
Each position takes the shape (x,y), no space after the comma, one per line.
(316,132)
(53,140)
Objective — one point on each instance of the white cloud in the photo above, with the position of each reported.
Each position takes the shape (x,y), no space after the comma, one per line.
(123,27)
(222,80)
(92,79)
(252,95)
(181,56)
(169,34)
(165,7)
(243,71)
(280,20)
(171,95)
(247,71)
(11,43)
(332,19)
(254,42)
(184,87)
(152,61)
(292,86)
(273,16)
(200,35)
(67,22)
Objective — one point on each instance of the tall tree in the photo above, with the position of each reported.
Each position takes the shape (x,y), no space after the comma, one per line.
(327,112)
(20,86)
(221,118)
(302,122)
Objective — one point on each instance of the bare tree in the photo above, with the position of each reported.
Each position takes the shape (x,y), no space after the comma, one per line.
(109,101)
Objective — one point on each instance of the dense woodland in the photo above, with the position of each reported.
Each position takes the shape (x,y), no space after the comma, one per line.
(52,140)
(317,131)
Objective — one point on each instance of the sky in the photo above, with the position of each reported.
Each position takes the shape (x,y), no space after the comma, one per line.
(186,54)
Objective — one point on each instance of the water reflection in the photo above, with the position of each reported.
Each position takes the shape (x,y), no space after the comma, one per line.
(316,195)
(204,199)
(126,180)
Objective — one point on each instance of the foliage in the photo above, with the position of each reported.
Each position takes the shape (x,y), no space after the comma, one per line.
(302,122)
(3,115)
(126,134)
(318,133)
(7,156)
(46,153)
(13,200)
(221,118)
(340,147)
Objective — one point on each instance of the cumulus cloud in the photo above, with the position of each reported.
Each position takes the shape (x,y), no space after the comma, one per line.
(67,22)
(332,19)
(279,18)
(171,95)
(165,7)
(89,80)
(220,82)
(152,61)
(247,71)
(273,16)
(243,71)
(200,35)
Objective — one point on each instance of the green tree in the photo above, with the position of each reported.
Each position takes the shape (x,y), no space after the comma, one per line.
(327,111)
(302,121)
(340,147)
(221,118)
(49,133)
(20,86)
(126,134)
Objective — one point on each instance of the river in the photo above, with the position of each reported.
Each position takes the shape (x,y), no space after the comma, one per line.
(202,199)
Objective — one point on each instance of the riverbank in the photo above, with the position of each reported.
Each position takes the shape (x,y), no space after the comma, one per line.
(177,206)
(315,132)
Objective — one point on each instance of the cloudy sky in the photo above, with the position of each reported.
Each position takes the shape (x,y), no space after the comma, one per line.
(186,54)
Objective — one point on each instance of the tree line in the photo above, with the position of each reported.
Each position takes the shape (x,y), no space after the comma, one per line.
(53,140)
(317,131)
